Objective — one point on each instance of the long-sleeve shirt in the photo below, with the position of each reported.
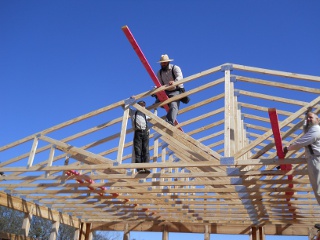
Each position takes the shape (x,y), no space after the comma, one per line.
(166,76)
(312,137)
(138,120)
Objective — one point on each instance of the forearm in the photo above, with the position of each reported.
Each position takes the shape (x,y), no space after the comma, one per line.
(304,141)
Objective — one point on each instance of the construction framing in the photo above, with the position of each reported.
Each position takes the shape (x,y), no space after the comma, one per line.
(216,175)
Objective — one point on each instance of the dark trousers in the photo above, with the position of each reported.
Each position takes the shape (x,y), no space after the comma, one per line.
(141,146)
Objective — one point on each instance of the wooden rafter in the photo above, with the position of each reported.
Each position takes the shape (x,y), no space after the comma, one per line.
(220,171)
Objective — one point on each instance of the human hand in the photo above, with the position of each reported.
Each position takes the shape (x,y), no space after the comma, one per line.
(285,151)
(154,95)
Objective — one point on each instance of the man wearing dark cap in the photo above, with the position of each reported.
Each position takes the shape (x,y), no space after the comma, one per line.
(141,136)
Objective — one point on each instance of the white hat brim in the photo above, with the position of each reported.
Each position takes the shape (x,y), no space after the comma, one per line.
(169,60)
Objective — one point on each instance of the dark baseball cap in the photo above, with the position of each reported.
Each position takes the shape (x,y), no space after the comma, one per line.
(142,103)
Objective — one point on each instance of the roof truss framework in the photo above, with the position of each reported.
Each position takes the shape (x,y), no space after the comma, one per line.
(219,170)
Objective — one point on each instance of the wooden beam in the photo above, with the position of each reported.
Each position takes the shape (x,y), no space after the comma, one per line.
(278,84)
(11,236)
(36,210)
(276,73)
(86,156)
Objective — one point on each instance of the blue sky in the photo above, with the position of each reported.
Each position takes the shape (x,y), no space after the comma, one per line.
(62,59)
(197,236)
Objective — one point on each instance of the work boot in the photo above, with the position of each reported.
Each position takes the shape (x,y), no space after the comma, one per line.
(170,122)
(140,170)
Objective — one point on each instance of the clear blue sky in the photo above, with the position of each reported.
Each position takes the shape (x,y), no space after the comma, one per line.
(195,236)
(62,59)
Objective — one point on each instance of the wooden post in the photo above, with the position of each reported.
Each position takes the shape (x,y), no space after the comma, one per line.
(126,235)
(26,224)
(257,233)
(50,160)
(82,234)
(123,134)
(33,151)
(239,128)
(312,233)
(253,233)
(89,235)
(54,230)
(261,234)
(206,232)
(76,234)
(155,150)
(165,234)
(228,113)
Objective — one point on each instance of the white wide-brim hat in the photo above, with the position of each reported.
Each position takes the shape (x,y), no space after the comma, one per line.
(165,58)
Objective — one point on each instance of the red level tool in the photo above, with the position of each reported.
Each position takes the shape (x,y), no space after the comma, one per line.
(162,96)
(278,142)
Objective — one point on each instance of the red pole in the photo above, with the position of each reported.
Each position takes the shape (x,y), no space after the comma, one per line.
(278,142)
(162,96)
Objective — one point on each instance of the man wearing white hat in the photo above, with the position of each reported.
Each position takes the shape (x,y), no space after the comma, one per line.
(167,75)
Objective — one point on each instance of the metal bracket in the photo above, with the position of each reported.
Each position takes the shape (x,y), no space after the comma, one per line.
(226,67)
(233,171)
(227,160)
(233,79)
(170,152)
(240,188)
(243,194)
(129,101)
(236,93)
(149,125)
(236,181)
(164,145)
(156,136)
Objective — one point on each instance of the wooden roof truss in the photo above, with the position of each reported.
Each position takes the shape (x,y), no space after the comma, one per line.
(217,175)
